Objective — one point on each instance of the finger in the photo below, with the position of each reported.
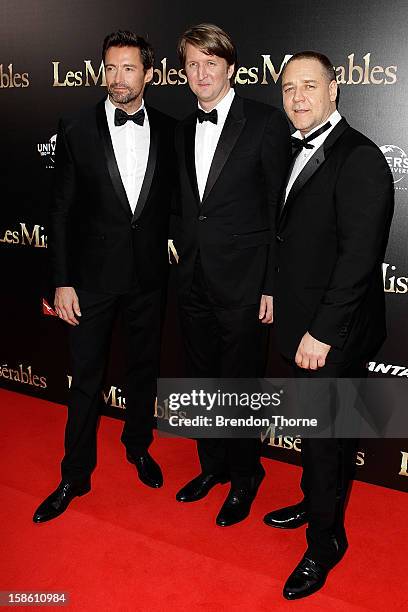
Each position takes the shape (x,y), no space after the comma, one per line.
(321,362)
(75,307)
(68,316)
(313,363)
(262,308)
(298,358)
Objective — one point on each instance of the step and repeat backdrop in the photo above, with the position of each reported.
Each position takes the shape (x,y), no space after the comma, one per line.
(50,66)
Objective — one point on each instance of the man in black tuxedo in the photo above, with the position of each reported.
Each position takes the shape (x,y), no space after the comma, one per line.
(233,155)
(329,298)
(109,231)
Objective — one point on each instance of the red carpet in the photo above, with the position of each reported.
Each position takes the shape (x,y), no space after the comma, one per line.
(126,547)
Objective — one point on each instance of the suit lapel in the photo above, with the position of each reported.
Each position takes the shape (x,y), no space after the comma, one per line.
(234,124)
(314,163)
(113,169)
(151,165)
(189,152)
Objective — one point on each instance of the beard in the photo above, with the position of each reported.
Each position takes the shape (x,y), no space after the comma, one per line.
(123,97)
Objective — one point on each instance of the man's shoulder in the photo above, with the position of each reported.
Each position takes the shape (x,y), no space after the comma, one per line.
(81,119)
(161,118)
(255,108)
(356,148)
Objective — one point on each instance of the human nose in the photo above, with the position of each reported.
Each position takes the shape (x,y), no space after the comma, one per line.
(298,95)
(202,72)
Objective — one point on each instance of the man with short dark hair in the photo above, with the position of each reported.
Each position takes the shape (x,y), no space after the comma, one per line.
(233,155)
(329,298)
(109,231)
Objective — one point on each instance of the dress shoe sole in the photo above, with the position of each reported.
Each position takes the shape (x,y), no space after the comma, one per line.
(292,596)
(198,497)
(290,526)
(80,493)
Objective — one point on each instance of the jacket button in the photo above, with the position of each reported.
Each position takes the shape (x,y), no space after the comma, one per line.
(279,238)
(135,226)
(202,218)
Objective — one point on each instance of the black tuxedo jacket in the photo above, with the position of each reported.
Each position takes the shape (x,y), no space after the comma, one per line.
(233,228)
(96,243)
(332,234)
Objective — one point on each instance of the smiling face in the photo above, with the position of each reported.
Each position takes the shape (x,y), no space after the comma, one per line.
(125,77)
(208,76)
(309,98)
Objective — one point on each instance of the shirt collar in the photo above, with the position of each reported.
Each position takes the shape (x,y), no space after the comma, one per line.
(223,106)
(110,109)
(334,119)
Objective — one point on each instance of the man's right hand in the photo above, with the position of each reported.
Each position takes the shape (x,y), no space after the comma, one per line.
(66,304)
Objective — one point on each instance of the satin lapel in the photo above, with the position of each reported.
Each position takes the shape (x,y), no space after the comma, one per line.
(150,168)
(189,152)
(110,157)
(234,124)
(312,166)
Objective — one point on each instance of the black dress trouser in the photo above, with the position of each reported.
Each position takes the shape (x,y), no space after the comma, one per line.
(89,347)
(223,342)
(328,467)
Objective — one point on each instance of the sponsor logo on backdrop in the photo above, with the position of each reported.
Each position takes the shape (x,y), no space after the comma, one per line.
(9,78)
(22,374)
(294,444)
(47,151)
(397,160)
(404,464)
(392,282)
(112,397)
(388,368)
(25,235)
(91,74)
(355,71)
(47,310)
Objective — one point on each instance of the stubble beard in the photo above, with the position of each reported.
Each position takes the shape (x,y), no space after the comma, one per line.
(122,98)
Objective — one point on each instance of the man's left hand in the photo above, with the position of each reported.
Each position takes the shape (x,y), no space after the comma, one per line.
(266,309)
(311,353)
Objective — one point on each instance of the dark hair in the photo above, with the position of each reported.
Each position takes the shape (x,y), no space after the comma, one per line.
(125,38)
(322,59)
(209,39)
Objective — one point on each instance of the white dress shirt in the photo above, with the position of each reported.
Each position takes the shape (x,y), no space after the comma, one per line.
(131,144)
(206,139)
(306,154)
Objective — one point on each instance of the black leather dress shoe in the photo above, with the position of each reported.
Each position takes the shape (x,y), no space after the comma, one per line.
(148,470)
(310,575)
(238,503)
(199,487)
(287,518)
(59,500)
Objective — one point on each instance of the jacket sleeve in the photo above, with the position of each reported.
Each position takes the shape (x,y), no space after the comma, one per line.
(276,157)
(63,199)
(364,206)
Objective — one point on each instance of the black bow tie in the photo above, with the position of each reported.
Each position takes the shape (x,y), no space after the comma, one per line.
(203,116)
(121,117)
(304,143)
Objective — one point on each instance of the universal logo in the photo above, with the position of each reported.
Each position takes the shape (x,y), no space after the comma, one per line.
(397,160)
(9,78)
(353,72)
(25,235)
(111,398)
(47,151)
(392,282)
(22,374)
(387,368)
